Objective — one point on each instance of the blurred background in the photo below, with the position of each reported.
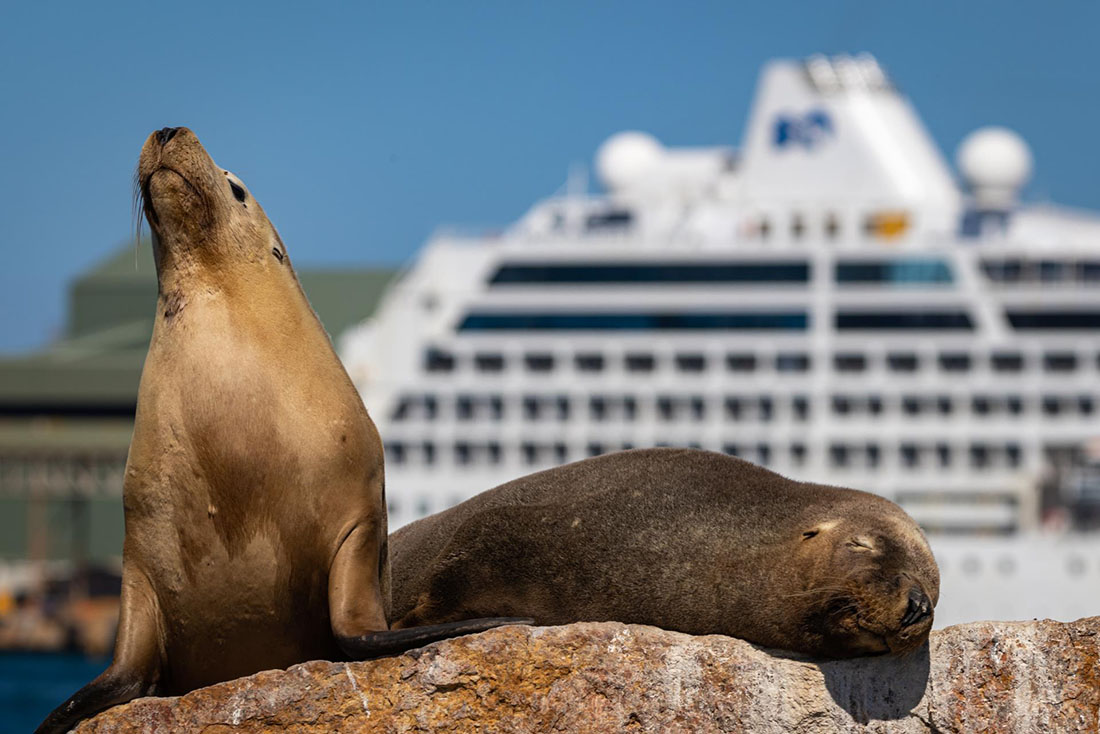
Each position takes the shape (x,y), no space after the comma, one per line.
(855,243)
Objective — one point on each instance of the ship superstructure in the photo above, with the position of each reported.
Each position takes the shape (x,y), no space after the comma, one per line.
(827,301)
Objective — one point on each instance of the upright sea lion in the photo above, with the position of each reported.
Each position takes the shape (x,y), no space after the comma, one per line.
(253,494)
(682,539)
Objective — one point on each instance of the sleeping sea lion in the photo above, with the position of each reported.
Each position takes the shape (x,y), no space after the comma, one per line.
(253,494)
(683,539)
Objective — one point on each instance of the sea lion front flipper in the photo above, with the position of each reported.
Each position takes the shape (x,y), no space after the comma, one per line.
(136,666)
(392,642)
(357,603)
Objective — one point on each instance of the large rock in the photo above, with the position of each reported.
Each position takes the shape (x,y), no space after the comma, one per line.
(607,677)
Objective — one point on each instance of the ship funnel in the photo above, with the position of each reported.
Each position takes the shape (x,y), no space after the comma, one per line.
(995,162)
(829,131)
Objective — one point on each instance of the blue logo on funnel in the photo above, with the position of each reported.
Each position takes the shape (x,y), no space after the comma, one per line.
(808,130)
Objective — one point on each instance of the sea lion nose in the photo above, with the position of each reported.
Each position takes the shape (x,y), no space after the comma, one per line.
(919,608)
(165,134)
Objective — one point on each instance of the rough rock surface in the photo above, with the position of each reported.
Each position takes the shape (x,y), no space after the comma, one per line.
(609,677)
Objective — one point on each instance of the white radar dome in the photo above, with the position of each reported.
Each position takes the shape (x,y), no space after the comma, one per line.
(627,158)
(996,163)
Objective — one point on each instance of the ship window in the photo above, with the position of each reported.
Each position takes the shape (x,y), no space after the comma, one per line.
(437,360)
(943,454)
(1051,271)
(462,453)
(423,507)
(1003,271)
(1089,271)
(763,453)
(792,362)
(615,219)
(874,405)
(1051,320)
(675,407)
(741,362)
(718,271)
(832,226)
(1007,361)
(563,407)
(589,362)
(652,321)
(395,452)
(955,362)
(428,450)
(842,405)
(637,362)
(798,454)
(560,453)
(981,405)
(691,362)
(595,449)
(911,405)
(539,362)
(765,228)
(979,456)
(902,361)
(911,271)
(597,407)
(798,227)
(1012,454)
(530,407)
(489,362)
(530,453)
(910,454)
(733,408)
(765,408)
(1051,405)
(731,449)
(944,405)
(1085,404)
(873,455)
(850,362)
(940,320)
(1015,404)
(470,407)
(1060,361)
(838,454)
(800,404)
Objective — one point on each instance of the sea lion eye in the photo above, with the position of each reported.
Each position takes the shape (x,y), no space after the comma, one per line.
(237,191)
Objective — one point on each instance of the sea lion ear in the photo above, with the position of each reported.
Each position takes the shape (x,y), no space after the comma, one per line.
(819,528)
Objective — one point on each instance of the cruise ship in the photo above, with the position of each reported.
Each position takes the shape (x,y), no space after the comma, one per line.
(829,300)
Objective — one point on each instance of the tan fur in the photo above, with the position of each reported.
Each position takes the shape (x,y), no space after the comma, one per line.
(255,511)
(686,540)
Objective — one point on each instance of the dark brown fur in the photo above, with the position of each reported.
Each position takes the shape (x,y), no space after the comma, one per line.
(682,539)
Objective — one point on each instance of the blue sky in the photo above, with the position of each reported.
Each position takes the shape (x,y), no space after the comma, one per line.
(362,127)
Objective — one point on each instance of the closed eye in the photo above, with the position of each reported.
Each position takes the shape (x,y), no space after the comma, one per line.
(859,545)
(809,534)
(237,192)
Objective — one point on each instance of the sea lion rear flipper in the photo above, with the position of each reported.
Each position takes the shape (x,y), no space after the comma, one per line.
(392,642)
(136,666)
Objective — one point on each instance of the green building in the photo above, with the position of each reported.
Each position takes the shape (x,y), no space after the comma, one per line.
(66,412)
